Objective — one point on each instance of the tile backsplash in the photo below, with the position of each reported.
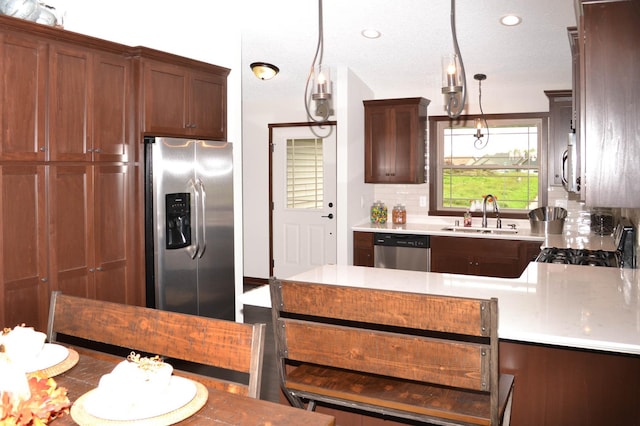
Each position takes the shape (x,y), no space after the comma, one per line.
(578,214)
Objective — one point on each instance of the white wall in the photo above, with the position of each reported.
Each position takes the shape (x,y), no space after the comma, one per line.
(197,29)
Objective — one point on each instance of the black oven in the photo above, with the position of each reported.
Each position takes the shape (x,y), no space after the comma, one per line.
(623,257)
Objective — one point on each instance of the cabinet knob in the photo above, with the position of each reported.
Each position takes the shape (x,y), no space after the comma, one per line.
(97,150)
(44,279)
(42,149)
(91,270)
(99,268)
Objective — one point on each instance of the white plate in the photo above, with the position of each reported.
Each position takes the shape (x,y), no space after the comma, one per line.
(179,393)
(51,354)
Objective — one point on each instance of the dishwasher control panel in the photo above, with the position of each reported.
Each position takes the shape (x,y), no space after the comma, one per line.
(401,240)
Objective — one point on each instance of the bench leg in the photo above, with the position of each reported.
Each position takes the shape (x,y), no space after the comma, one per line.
(311,406)
(293,400)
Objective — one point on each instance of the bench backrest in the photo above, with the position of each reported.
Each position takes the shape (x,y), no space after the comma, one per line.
(211,342)
(449,341)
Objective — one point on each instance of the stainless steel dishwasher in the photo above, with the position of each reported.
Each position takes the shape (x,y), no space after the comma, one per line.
(401,251)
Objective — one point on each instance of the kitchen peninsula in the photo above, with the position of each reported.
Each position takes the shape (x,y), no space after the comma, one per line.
(570,334)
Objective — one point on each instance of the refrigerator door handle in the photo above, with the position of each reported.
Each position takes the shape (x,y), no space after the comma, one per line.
(194,248)
(203,223)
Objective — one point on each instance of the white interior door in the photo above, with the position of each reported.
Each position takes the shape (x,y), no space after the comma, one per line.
(304,199)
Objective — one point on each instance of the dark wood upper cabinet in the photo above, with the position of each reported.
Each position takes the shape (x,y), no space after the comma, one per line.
(88,104)
(23,66)
(183,99)
(394,134)
(609,92)
(69,84)
(112,107)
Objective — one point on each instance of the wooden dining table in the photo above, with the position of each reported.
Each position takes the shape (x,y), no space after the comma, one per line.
(221,408)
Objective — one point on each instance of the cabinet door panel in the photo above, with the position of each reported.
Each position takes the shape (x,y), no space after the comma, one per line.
(111,94)
(112,223)
(208,106)
(23,66)
(23,266)
(401,158)
(376,142)
(69,104)
(610,101)
(71,210)
(165,98)
(363,249)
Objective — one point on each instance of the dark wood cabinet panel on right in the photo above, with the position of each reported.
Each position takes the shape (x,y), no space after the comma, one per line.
(490,257)
(609,111)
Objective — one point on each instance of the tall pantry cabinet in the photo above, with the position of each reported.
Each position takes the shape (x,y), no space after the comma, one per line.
(73,113)
(65,181)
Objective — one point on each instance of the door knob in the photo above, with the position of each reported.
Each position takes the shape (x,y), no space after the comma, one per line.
(330,216)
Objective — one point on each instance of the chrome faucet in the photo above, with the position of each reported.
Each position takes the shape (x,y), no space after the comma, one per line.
(496,210)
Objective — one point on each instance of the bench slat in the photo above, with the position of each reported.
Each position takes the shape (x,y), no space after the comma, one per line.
(392,354)
(332,385)
(424,312)
(207,341)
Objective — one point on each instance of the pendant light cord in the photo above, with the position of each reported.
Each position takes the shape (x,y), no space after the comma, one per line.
(478,143)
(318,55)
(454,107)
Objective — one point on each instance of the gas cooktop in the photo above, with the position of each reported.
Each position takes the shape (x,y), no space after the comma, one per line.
(570,256)
(624,256)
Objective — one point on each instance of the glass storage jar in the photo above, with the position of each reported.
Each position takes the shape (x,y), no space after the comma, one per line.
(399,215)
(378,213)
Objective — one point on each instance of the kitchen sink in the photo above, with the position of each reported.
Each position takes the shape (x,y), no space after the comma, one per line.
(472,230)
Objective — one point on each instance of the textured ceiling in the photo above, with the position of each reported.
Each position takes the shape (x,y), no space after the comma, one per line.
(405,61)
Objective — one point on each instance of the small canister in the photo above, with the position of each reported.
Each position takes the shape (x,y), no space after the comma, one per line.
(399,215)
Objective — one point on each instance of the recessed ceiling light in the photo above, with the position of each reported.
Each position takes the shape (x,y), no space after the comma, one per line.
(370,33)
(510,20)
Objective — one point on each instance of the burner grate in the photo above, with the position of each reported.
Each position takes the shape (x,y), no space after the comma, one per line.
(570,256)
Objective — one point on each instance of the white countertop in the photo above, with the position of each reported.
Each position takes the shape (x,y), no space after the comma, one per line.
(581,238)
(566,305)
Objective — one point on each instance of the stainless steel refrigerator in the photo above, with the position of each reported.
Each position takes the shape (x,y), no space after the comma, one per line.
(189,226)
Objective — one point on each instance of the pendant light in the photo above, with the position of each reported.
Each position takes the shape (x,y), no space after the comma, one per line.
(319,78)
(454,79)
(482,120)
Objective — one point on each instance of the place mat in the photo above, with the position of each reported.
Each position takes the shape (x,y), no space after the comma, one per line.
(80,415)
(60,367)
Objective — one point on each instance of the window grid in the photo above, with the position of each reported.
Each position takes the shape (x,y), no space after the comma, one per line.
(304,174)
(507,167)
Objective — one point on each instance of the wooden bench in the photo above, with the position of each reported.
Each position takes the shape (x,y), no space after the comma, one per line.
(222,344)
(421,357)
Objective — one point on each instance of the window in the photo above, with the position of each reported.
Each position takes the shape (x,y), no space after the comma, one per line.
(509,164)
(304,174)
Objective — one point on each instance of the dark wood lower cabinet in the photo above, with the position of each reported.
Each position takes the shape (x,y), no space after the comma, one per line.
(567,387)
(489,257)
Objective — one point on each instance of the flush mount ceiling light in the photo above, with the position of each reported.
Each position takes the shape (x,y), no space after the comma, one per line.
(510,20)
(264,71)
(454,79)
(370,33)
(320,80)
